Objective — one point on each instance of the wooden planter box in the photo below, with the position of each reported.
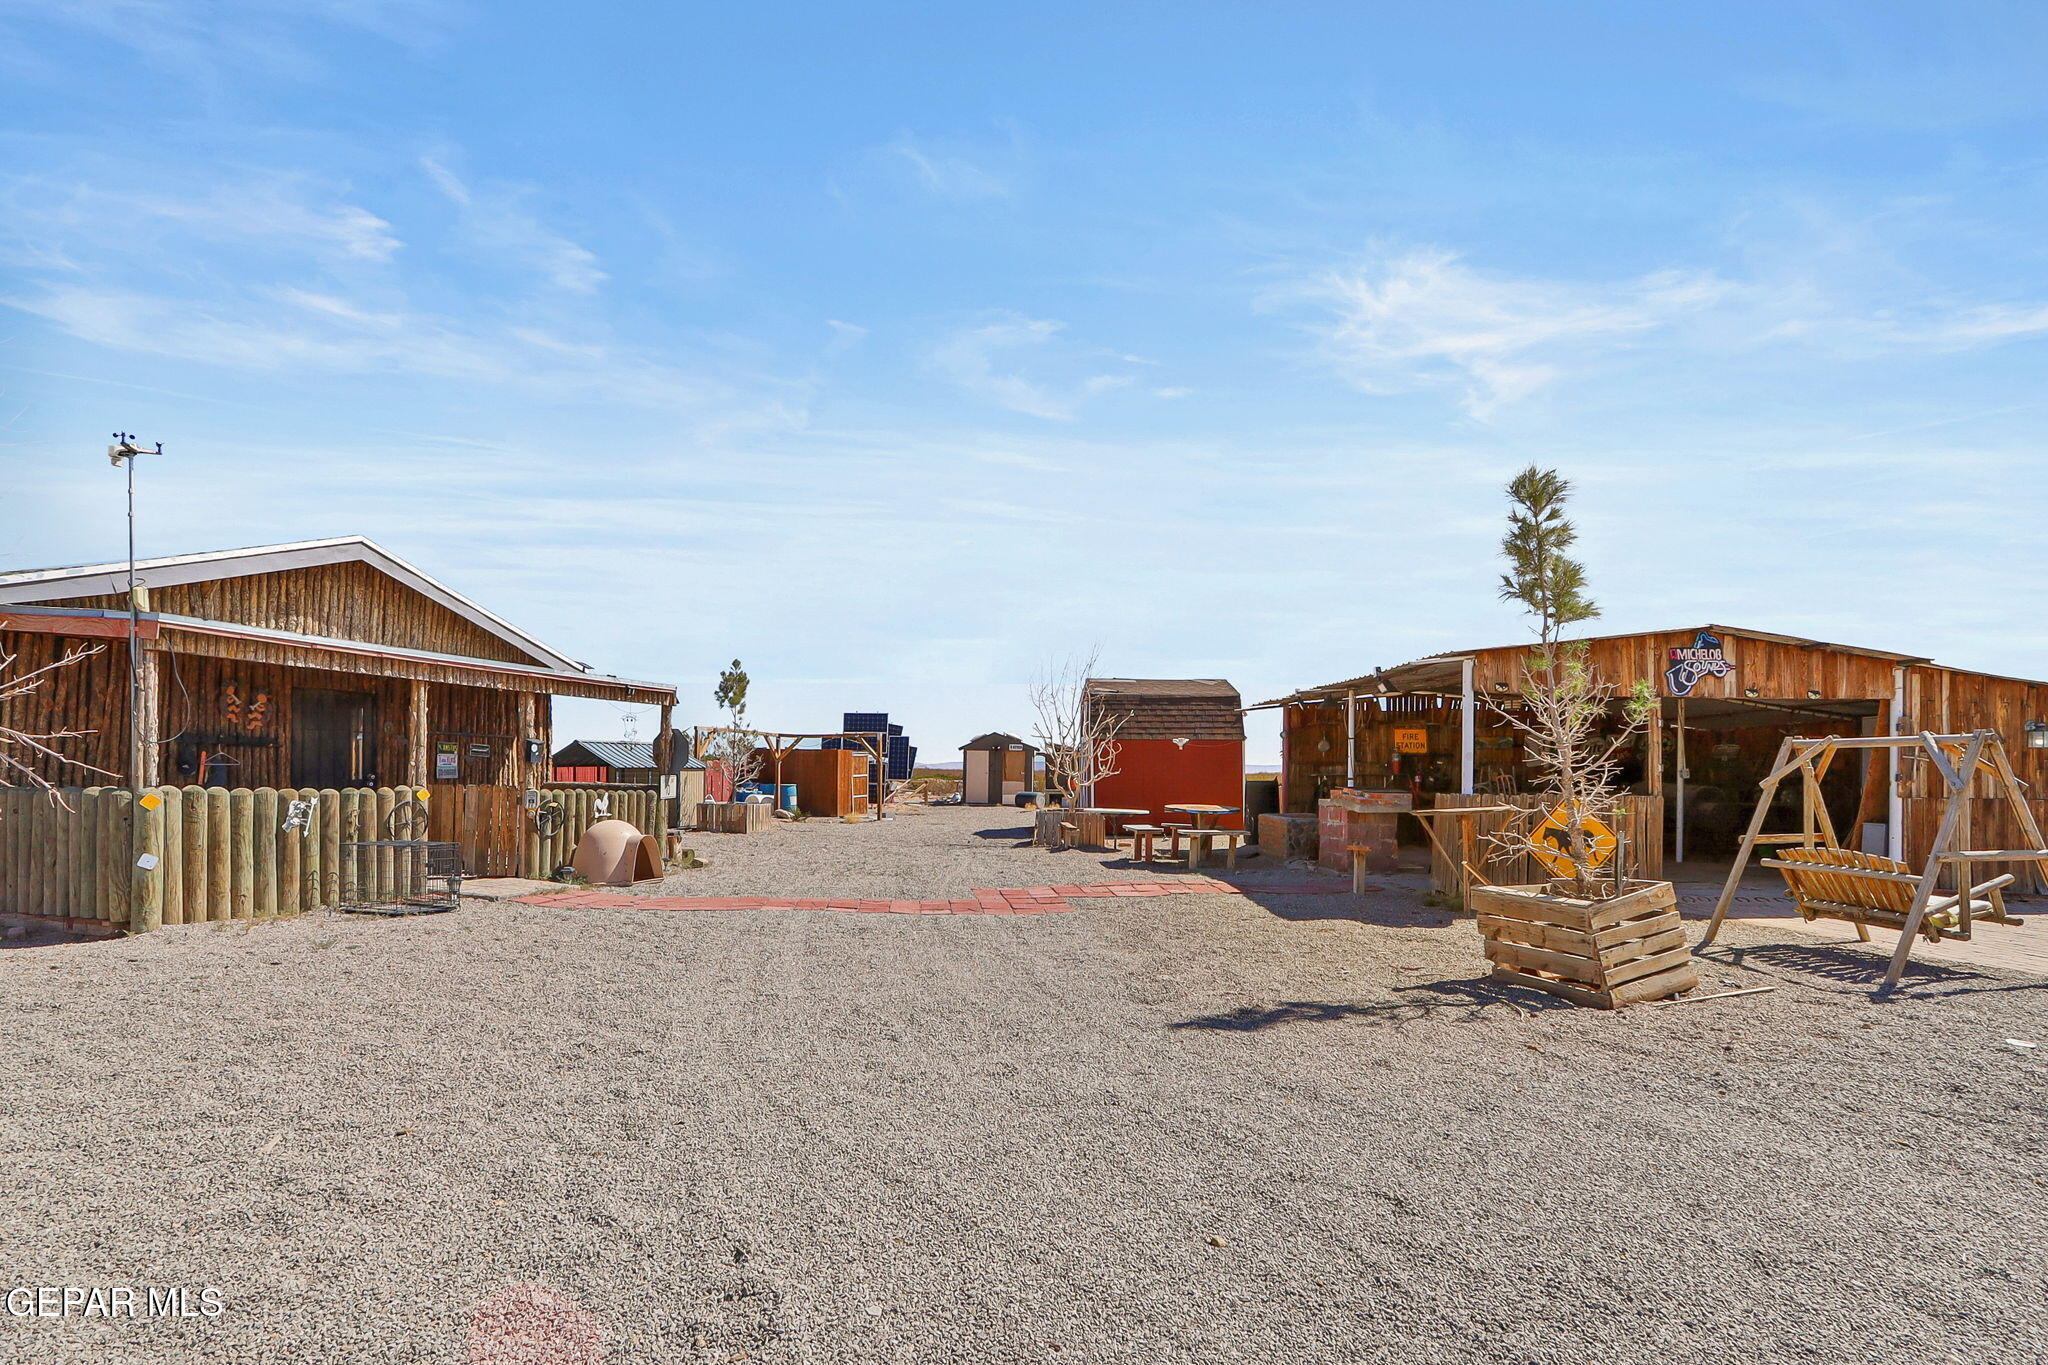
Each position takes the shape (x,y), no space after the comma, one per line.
(1600,953)
(734,817)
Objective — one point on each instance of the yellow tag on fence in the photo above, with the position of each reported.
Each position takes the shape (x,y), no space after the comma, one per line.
(149,801)
(421,793)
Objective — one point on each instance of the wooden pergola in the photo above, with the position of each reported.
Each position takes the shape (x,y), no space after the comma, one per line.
(780,743)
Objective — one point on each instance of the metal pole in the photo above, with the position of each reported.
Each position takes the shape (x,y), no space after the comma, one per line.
(134,651)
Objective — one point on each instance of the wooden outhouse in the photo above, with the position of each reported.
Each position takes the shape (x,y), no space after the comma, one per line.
(994,768)
(318,665)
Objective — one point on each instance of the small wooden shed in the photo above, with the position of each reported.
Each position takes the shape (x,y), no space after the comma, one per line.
(606,760)
(995,767)
(1181,740)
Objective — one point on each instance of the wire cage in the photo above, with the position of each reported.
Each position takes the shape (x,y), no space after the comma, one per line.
(400,877)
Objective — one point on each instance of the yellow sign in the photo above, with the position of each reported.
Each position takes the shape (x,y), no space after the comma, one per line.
(149,801)
(1551,843)
(1411,741)
(422,793)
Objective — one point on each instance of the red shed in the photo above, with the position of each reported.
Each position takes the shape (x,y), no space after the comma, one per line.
(1182,741)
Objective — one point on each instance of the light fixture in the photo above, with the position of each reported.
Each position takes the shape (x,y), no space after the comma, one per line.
(1813,694)
(1750,692)
(1500,687)
(2037,734)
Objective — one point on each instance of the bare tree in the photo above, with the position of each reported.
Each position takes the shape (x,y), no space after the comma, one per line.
(1077,739)
(733,747)
(1568,709)
(18,746)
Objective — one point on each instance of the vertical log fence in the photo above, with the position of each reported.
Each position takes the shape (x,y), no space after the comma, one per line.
(100,861)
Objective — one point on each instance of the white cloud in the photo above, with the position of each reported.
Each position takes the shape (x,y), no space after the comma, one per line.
(969,360)
(281,212)
(496,219)
(950,174)
(1425,318)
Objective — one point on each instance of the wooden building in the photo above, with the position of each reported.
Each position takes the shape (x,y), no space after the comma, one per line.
(994,768)
(606,760)
(1181,741)
(318,664)
(1443,727)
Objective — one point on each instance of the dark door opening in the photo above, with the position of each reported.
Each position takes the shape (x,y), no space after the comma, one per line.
(334,740)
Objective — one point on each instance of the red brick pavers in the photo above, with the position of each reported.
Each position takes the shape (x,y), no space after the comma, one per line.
(1008,900)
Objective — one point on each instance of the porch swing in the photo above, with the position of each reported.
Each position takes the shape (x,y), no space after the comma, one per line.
(1827,881)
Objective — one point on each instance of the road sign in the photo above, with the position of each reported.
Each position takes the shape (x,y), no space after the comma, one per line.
(1551,843)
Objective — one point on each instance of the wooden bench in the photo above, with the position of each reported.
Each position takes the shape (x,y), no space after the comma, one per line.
(1201,842)
(1141,841)
(1865,889)
(1174,829)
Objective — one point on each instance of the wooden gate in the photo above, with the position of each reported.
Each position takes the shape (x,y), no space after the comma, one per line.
(486,821)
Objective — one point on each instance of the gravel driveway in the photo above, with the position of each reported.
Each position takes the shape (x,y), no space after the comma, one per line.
(1269,1128)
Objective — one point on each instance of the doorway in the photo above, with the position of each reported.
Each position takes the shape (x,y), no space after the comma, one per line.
(334,738)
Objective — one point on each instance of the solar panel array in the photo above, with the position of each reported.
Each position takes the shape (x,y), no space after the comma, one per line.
(901,753)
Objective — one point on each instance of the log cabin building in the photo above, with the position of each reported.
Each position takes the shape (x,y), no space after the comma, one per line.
(1441,728)
(317,664)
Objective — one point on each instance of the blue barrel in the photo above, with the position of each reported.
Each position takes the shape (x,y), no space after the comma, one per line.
(789,796)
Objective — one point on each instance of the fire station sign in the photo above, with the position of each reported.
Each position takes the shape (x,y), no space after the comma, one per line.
(1411,741)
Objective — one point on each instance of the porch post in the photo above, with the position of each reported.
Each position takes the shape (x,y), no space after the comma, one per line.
(416,736)
(1895,804)
(1678,811)
(146,755)
(1466,736)
(1351,739)
(1286,774)
(664,770)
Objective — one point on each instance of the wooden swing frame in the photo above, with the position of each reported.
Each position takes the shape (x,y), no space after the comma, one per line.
(1959,760)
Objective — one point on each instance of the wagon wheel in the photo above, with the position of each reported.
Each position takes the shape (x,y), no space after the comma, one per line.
(408,819)
(547,817)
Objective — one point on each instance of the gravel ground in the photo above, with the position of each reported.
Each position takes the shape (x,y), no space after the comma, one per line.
(1197,1128)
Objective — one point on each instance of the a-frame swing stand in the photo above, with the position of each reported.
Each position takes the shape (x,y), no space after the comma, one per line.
(1828,881)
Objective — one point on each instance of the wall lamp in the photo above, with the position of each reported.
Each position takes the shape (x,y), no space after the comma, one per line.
(2037,734)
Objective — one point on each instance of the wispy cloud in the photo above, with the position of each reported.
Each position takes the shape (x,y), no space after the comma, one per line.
(277,212)
(950,173)
(496,218)
(1424,318)
(970,360)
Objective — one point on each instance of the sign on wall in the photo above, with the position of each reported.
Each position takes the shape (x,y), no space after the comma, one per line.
(1411,741)
(447,763)
(1704,658)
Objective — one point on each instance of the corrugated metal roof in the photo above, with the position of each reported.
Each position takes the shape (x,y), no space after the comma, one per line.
(611,753)
(995,739)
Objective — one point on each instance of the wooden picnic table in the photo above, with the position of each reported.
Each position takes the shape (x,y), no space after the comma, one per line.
(1205,817)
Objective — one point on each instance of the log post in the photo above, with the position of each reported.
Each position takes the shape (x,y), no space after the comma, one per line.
(416,769)
(145,867)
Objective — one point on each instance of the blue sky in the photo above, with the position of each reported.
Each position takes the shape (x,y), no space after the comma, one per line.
(899,349)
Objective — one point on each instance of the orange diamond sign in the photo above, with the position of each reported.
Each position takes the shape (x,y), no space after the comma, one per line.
(1551,843)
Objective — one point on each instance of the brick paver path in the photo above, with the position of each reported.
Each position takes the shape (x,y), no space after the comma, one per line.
(1010,900)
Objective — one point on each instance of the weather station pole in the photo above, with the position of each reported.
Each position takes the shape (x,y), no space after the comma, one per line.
(141,861)
(122,455)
